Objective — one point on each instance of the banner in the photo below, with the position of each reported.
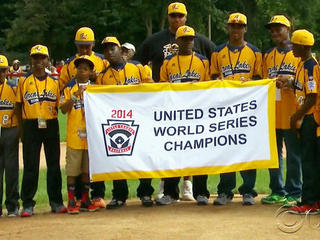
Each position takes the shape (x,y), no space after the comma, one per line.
(167,130)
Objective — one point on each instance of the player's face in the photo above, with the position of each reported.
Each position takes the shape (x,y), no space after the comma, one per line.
(298,50)
(39,62)
(127,53)
(83,72)
(3,72)
(176,20)
(112,53)
(279,33)
(84,49)
(185,44)
(236,31)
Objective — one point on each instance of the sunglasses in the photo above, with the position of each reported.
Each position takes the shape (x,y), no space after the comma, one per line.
(176,15)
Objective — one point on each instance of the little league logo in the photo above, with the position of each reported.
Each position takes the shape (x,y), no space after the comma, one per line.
(119,137)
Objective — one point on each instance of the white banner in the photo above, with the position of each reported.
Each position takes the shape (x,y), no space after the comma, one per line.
(167,130)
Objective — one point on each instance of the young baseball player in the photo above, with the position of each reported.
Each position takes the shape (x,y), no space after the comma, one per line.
(38,97)
(185,66)
(9,141)
(84,41)
(281,61)
(120,72)
(305,85)
(236,60)
(77,149)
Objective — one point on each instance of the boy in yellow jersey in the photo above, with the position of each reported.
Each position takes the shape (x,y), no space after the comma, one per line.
(84,41)
(185,66)
(77,149)
(38,97)
(281,61)
(305,85)
(9,141)
(236,60)
(120,72)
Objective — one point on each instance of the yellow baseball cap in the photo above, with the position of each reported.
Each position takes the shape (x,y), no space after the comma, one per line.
(302,37)
(84,36)
(39,50)
(185,31)
(177,7)
(237,18)
(3,62)
(112,40)
(84,58)
(279,19)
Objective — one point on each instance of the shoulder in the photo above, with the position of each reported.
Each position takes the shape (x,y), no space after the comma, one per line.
(201,57)
(253,48)
(134,62)
(28,74)
(269,50)
(99,55)
(168,58)
(71,83)
(220,47)
(70,59)
(309,64)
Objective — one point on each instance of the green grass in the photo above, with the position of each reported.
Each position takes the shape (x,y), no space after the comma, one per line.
(62,126)
(262,186)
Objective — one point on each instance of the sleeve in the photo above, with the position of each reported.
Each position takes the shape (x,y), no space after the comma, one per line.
(312,73)
(206,71)
(99,79)
(257,74)
(144,76)
(163,72)
(214,66)
(67,94)
(264,67)
(64,77)
(148,71)
(19,96)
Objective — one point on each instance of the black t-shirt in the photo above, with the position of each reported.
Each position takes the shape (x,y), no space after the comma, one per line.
(160,45)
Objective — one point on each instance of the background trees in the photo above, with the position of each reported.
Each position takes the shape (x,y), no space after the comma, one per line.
(24,23)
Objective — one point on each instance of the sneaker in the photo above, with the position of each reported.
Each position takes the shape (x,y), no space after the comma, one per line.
(27,212)
(187,191)
(222,199)
(273,199)
(202,200)
(161,189)
(99,202)
(247,199)
(291,201)
(72,207)
(165,200)
(58,208)
(305,209)
(13,213)
(115,203)
(146,201)
(87,206)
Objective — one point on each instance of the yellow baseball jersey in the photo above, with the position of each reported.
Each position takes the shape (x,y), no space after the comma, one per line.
(306,81)
(184,68)
(69,70)
(127,73)
(7,101)
(76,118)
(281,62)
(39,98)
(235,63)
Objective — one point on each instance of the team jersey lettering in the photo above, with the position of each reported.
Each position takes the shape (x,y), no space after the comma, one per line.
(186,77)
(5,104)
(45,96)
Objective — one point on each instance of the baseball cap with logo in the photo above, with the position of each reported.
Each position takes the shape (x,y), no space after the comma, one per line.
(302,37)
(185,31)
(112,40)
(39,50)
(237,18)
(3,62)
(177,7)
(84,58)
(279,19)
(84,36)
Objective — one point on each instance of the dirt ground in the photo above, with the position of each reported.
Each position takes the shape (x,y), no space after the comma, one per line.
(183,220)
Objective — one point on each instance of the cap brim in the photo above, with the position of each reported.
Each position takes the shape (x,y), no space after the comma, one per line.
(268,26)
(80,60)
(33,54)
(83,43)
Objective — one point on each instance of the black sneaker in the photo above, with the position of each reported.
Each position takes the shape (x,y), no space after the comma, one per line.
(115,203)
(13,212)
(146,201)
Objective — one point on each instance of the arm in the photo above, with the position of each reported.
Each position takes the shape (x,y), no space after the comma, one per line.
(18,112)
